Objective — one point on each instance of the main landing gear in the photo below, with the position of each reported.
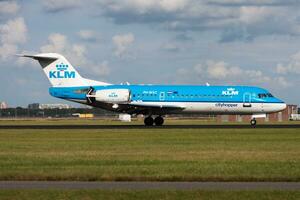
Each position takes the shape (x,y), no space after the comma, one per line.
(253,122)
(158,121)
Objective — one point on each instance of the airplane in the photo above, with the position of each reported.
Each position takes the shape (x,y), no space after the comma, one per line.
(155,101)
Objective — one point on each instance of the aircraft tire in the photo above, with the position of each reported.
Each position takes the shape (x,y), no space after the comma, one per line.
(253,122)
(159,121)
(148,121)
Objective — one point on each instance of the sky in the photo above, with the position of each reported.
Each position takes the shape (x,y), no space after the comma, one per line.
(220,42)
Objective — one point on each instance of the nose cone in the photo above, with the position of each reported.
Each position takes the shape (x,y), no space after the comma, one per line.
(280,106)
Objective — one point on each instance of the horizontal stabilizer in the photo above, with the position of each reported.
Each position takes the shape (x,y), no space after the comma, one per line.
(52,56)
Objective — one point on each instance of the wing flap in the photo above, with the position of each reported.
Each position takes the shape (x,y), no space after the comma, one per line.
(158,105)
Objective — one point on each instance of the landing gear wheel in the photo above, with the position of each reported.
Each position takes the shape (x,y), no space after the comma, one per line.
(253,122)
(159,121)
(148,121)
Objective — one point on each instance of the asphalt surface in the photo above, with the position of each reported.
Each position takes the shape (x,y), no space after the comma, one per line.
(206,126)
(150,185)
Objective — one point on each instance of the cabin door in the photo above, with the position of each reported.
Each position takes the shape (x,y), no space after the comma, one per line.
(247,100)
(162,96)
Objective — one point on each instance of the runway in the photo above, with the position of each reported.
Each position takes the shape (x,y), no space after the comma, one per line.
(128,126)
(150,185)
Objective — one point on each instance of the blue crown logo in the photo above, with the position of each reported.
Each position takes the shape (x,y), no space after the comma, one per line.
(61,67)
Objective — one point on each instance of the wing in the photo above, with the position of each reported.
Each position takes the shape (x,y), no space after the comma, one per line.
(156,108)
(136,107)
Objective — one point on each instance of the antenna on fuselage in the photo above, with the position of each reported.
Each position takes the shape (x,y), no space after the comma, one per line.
(126,83)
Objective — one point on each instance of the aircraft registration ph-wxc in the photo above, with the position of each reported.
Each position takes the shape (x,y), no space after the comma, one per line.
(155,101)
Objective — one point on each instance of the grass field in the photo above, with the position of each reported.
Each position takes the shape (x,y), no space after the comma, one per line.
(147,194)
(112,121)
(149,154)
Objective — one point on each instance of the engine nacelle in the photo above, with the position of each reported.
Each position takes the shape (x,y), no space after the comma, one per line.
(113,95)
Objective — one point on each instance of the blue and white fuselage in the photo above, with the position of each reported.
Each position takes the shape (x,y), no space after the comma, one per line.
(155,100)
(187,98)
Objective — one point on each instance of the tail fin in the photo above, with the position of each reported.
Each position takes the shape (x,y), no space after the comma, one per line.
(60,72)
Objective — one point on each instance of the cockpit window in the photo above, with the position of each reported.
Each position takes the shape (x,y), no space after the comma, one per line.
(264,95)
(261,96)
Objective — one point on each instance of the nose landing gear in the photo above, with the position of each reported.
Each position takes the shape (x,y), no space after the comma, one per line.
(253,122)
(158,121)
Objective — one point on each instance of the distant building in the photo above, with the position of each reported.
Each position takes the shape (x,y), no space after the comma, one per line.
(273,117)
(36,106)
(3,105)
